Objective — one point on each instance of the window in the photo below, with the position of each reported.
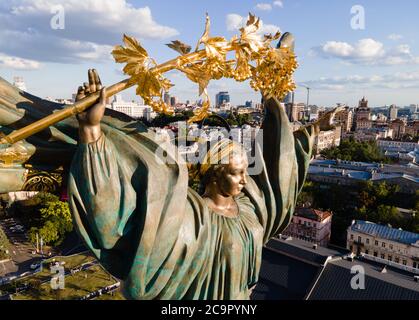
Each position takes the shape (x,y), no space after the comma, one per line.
(415,265)
(397,260)
(375,254)
(367,252)
(390,258)
(359,239)
(391,247)
(352,236)
(376,242)
(405,262)
(383,244)
(383,256)
(368,241)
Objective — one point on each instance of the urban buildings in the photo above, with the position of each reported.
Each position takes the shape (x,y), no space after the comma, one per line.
(327,139)
(345,119)
(132,109)
(395,247)
(348,173)
(293,269)
(295,111)
(399,128)
(310,225)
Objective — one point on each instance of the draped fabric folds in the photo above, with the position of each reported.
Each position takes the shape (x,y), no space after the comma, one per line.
(149,229)
(141,220)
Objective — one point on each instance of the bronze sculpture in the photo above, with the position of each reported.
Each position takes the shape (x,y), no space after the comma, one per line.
(140,218)
(161,237)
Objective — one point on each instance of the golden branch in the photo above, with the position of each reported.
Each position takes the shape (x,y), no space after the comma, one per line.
(269,69)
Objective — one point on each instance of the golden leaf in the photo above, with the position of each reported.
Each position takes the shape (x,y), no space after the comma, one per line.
(202,113)
(269,69)
(205,36)
(179,46)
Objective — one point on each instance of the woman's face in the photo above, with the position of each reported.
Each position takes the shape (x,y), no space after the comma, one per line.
(231,179)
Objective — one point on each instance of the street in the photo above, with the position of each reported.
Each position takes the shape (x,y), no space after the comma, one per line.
(21,250)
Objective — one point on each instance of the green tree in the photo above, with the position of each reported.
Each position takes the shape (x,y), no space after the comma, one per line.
(56,223)
(351,150)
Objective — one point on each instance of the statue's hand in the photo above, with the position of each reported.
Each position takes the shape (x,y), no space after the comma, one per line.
(325,123)
(89,120)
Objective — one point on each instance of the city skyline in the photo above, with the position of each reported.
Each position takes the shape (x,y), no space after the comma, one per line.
(339,64)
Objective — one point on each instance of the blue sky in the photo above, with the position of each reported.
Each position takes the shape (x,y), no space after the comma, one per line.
(339,63)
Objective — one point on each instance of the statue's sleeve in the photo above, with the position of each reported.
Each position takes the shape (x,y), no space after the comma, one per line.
(284,157)
(129,206)
(100,193)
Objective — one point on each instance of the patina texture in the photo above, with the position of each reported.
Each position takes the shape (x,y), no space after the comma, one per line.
(148,228)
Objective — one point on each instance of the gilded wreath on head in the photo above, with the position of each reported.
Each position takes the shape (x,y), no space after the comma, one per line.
(269,69)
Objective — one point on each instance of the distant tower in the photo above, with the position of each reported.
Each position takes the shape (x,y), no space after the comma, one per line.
(173,101)
(392,112)
(166,98)
(363,115)
(221,98)
(19,83)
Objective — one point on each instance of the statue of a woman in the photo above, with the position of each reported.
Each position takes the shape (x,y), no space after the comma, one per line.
(161,238)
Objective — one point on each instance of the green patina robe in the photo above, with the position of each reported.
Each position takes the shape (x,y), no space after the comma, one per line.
(148,228)
(143,222)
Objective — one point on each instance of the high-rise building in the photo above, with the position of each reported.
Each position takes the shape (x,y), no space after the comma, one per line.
(166,98)
(392,112)
(249,104)
(19,83)
(363,115)
(173,101)
(222,97)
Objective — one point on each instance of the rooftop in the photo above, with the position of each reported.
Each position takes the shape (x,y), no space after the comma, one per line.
(312,214)
(384,232)
(335,282)
(293,270)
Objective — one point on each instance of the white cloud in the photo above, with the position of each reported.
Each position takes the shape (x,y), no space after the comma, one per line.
(363,49)
(234,22)
(278,3)
(366,51)
(92,28)
(399,80)
(18,63)
(395,36)
(263,7)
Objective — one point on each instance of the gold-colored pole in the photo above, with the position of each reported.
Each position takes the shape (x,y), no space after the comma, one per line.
(88,101)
